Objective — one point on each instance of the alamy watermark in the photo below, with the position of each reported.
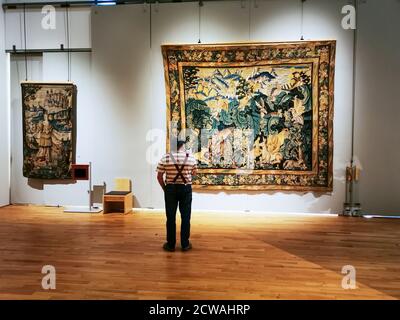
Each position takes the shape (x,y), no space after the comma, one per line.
(49,280)
(349,20)
(49,19)
(349,280)
(228,148)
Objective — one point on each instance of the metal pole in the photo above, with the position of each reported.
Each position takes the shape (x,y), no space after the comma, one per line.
(90,186)
(354,84)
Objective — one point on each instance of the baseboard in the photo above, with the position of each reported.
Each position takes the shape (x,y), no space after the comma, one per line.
(371,216)
(161,210)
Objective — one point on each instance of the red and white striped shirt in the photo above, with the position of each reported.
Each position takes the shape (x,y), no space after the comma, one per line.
(167,166)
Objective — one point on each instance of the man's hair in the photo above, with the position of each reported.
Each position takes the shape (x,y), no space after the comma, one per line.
(180,144)
(176,143)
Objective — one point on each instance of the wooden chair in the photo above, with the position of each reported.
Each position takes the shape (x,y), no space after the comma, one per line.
(119,200)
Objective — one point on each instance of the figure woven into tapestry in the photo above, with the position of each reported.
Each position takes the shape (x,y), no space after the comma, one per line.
(49,129)
(256,116)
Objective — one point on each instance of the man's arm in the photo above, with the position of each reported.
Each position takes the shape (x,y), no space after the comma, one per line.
(160,178)
(194,169)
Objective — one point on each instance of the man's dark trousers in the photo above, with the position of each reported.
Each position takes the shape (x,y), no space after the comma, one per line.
(178,194)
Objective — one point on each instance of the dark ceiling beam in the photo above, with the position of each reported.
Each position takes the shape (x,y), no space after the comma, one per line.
(40,51)
(88,3)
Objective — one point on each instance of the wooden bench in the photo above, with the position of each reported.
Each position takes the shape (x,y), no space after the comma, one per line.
(121,199)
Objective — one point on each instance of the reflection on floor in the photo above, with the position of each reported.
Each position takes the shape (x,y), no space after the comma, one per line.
(235,256)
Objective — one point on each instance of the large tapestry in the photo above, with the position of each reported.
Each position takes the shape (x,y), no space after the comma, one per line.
(48,126)
(256,116)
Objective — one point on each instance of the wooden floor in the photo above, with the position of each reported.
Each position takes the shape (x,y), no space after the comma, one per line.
(235,256)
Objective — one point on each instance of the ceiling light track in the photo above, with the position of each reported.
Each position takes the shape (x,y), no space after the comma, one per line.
(83,3)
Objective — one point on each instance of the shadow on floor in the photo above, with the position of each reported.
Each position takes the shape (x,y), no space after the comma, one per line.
(370,245)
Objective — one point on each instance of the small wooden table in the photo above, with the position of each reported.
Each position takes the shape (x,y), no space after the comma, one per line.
(117,202)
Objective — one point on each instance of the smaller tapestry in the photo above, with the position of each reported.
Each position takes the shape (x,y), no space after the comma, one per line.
(48,129)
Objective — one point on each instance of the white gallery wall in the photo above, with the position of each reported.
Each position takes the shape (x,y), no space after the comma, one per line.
(38,37)
(121,95)
(4,119)
(220,22)
(377,130)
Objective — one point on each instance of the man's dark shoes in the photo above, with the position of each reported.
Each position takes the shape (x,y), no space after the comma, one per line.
(187,248)
(166,247)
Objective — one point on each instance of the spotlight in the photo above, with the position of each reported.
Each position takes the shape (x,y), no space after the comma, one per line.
(105,3)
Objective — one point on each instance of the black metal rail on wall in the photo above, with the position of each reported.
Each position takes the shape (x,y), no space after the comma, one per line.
(83,3)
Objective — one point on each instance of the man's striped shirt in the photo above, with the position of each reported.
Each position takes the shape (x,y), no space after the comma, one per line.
(167,166)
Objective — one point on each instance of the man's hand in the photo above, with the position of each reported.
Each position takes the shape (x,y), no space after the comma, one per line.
(160,178)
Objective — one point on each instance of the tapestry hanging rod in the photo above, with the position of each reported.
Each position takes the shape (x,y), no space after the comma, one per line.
(83,3)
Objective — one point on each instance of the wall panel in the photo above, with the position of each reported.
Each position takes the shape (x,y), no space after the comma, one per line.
(121,96)
(4,120)
(39,38)
(377,130)
(22,189)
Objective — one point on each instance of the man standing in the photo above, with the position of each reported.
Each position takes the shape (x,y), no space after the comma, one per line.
(178,166)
